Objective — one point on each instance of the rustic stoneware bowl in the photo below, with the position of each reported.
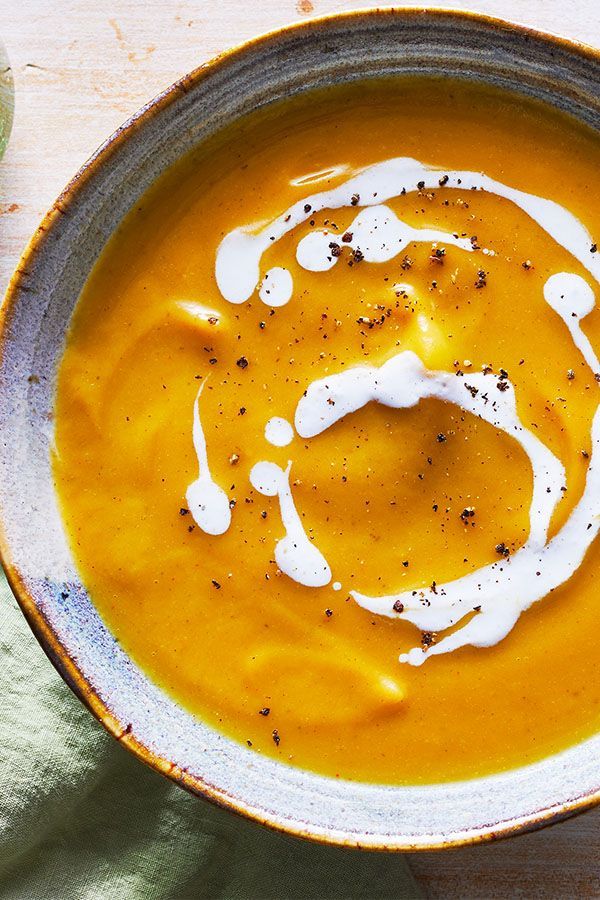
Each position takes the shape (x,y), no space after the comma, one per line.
(36,316)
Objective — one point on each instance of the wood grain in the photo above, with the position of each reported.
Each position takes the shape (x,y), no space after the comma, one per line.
(81,68)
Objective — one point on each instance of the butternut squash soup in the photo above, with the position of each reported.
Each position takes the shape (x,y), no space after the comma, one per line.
(327,430)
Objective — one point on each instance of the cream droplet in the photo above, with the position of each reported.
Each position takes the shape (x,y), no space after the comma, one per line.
(279,432)
(277,287)
(295,554)
(208,503)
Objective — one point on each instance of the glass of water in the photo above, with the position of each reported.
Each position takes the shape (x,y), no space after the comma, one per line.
(6,99)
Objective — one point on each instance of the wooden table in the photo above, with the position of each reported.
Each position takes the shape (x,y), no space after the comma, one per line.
(83,67)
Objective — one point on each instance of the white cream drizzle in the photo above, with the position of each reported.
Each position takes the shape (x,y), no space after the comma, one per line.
(295,554)
(500,592)
(208,503)
(494,596)
(377,232)
(572,298)
(402,381)
(239,255)
(279,432)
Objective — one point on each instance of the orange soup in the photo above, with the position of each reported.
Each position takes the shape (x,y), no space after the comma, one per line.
(325,431)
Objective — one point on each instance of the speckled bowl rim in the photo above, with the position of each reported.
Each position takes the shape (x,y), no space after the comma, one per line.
(46,636)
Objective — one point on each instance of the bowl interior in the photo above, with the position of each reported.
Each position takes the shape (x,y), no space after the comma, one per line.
(36,318)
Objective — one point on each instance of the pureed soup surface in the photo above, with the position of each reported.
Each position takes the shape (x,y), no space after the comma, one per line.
(296,461)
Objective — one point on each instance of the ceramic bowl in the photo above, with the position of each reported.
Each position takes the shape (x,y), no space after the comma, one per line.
(36,316)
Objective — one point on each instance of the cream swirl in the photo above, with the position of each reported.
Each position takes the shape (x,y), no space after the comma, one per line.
(237,267)
(491,599)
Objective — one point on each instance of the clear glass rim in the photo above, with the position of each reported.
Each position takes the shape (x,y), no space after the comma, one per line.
(7,98)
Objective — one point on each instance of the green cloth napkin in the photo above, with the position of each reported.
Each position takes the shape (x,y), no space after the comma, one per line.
(82,818)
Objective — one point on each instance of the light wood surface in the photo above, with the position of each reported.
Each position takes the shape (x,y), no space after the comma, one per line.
(81,68)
